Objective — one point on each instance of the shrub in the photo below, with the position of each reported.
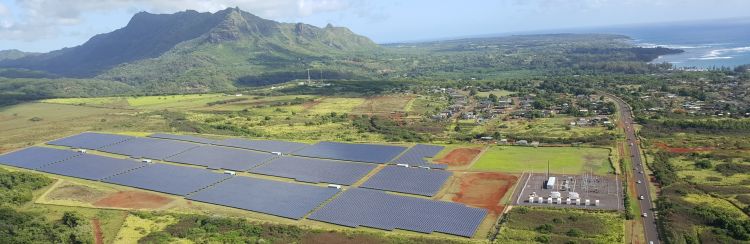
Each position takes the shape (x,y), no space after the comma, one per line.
(544,228)
(703,164)
(574,232)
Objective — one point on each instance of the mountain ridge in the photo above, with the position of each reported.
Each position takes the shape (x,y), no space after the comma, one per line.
(151,36)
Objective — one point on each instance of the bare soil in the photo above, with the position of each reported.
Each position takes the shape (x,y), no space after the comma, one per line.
(133,199)
(460,156)
(482,189)
(75,192)
(97,227)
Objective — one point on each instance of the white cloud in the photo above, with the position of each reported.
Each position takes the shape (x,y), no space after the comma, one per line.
(4,11)
(45,18)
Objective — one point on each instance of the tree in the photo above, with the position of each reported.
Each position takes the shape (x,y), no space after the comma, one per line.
(703,164)
(72,219)
(492,97)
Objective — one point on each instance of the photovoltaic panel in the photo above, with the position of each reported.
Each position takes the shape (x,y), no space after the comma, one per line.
(315,170)
(90,140)
(425,182)
(263,145)
(215,157)
(189,138)
(416,155)
(371,208)
(36,157)
(172,179)
(370,153)
(91,167)
(283,199)
(149,148)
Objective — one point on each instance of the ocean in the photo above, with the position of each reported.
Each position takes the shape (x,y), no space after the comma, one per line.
(708,44)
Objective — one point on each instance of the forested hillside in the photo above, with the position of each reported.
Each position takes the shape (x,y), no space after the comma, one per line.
(192,52)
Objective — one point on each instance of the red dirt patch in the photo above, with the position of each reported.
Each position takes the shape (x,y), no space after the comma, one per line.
(667,148)
(133,199)
(484,189)
(98,236)
(460,156)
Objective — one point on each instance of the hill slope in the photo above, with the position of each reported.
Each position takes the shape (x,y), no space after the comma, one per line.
(216,48)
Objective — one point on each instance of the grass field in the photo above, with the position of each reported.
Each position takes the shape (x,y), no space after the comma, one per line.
(499,93)
(558,126)
(568,160)
(32,123)
(527,225)
(336,104)
(384,105)
(136,227)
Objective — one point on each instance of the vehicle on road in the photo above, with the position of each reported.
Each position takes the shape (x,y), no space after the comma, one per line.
(640,197)
(644,214)
(638,182)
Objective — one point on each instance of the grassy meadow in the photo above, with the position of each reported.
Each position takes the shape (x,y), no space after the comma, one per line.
(568,160)
(545,225)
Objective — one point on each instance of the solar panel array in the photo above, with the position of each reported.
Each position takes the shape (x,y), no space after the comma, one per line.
(91,167)
(283,199)
(222,158)
(149,148)
(263,145)
(416,154)
(90,140)
(370,153)
(36,157)
(425,182)
(363,207)
(172,179)
(189,138)
(315,170)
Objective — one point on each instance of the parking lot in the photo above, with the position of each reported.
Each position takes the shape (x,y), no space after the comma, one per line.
(606,190)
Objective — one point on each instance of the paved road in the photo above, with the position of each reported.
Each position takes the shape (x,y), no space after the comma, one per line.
(642,189)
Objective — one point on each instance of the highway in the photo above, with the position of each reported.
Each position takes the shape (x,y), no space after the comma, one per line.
(642,189)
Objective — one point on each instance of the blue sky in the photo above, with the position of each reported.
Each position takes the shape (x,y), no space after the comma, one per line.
(44,25)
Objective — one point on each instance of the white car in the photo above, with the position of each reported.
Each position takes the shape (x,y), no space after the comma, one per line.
(640,197)
(644,215)
(638,182)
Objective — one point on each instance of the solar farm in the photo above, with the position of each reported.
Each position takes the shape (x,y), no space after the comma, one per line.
(384,187)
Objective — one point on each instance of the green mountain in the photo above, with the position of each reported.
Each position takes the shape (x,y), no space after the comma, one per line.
(199,51)
(14,54)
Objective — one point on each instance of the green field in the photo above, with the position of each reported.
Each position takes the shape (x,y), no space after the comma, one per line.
(499,93)
(337,105)
(568,160)
(534,225)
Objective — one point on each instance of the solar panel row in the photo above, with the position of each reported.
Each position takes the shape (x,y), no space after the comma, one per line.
(36,157)
(222,158)
(416,155)
(149,148)
(370,153)
(90,140)
(362,207)
(166,178)
(263,145)
(315,170)
(91,167)
(417,181)
(189,138)
(283,199)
